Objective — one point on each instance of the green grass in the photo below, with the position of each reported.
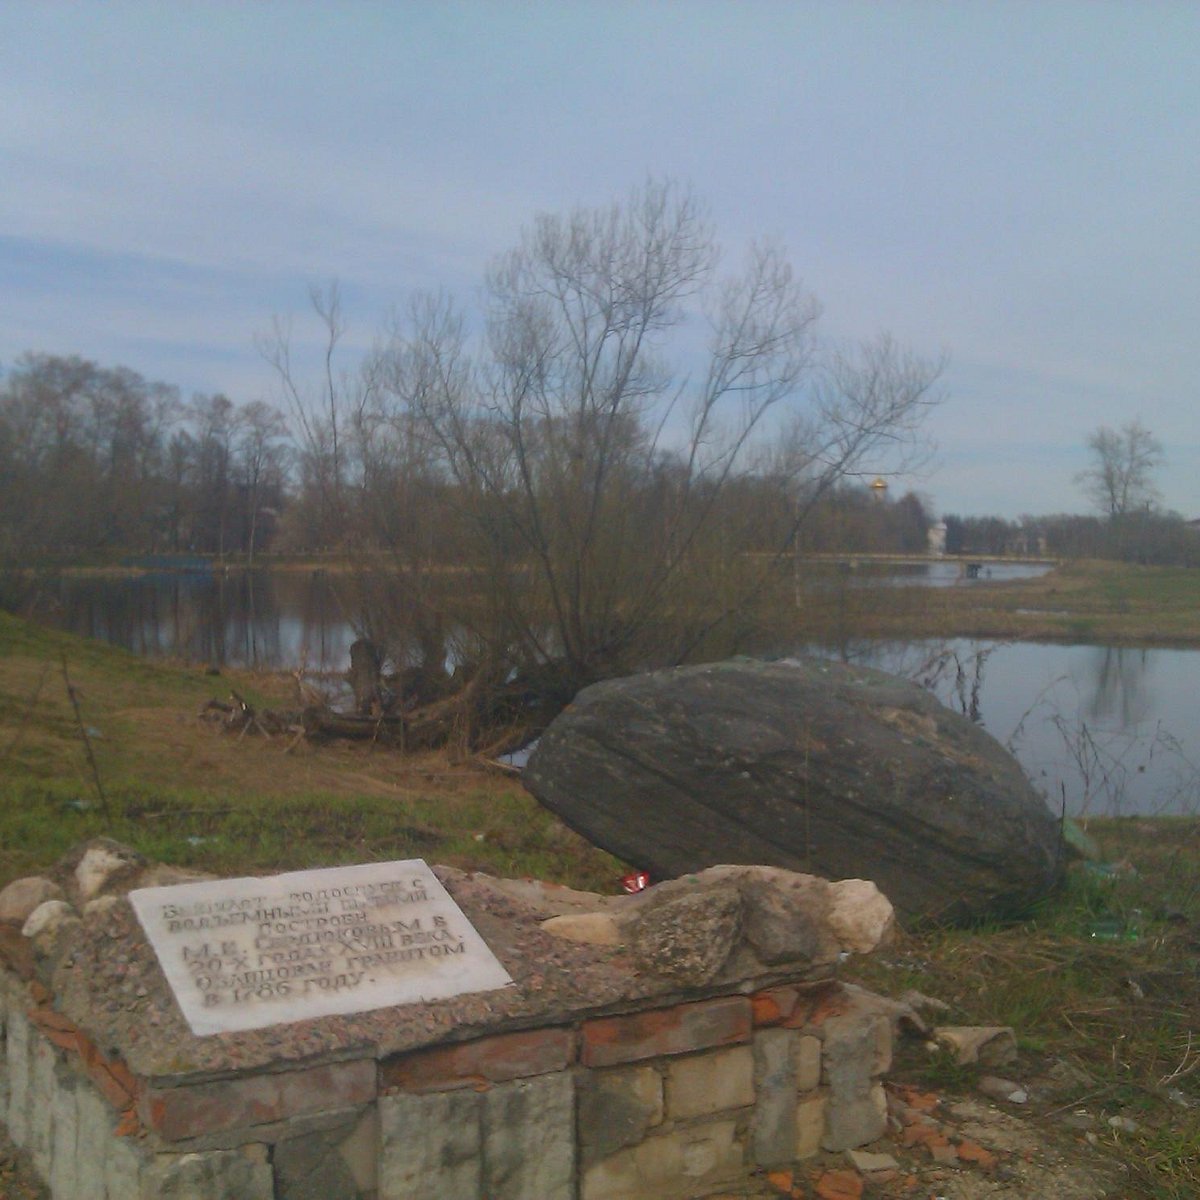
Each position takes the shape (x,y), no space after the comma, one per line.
(184,791)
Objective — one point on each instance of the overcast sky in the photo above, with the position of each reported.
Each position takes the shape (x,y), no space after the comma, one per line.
(1016,185)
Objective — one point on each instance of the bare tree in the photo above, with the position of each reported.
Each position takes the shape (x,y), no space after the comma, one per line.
(320,412)
(1120,479)
(260,450)
(592,477)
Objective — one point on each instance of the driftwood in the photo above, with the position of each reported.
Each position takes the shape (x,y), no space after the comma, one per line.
(485,716)
(241,717)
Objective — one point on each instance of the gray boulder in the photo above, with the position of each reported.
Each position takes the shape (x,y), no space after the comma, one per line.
(809,765)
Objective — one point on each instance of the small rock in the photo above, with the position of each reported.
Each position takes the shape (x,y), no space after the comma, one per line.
(1123,1124)
(1081,1121)
(101,906)
(869,1163)
(923,1003)
(22,896)
(47,916)
(861,915)
(991,1045)
(1003,1089)
(102,862)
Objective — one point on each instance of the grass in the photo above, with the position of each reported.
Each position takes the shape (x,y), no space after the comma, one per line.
(1078,601)
(1101,985)
(181,790)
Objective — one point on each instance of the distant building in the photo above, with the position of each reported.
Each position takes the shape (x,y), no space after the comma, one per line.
(937,539)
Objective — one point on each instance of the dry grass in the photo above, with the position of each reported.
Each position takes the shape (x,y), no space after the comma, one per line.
(1102,987)
(183,790)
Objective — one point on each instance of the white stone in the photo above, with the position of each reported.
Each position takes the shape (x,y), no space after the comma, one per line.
(249,953)
(992,1045)
(97,866)
(47,916)
(860,915)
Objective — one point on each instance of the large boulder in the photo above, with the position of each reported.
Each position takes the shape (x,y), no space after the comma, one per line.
(810,765)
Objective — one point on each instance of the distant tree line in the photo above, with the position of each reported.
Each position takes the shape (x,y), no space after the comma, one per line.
(1148,537)
(98,462)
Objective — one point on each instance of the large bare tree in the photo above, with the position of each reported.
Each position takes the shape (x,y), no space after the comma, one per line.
(592,439)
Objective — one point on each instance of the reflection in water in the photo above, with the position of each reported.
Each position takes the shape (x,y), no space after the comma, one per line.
(1108,728)
(1105,729)
(269,620)
(1121,683)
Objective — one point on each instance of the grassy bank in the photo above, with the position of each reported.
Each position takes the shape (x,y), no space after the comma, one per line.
(1102,987)
(1076,602)
(182,790)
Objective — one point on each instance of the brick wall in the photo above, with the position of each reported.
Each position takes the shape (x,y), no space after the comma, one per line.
(664,1103)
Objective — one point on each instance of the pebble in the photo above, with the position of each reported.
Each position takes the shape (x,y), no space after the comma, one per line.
(1082,1121)
(1003,1089)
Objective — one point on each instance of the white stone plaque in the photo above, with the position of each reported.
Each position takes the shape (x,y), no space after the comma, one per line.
(248,953)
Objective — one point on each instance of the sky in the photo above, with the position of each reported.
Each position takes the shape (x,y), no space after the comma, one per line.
(1015,186)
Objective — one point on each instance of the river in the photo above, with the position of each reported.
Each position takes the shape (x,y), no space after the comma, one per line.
(1107,730)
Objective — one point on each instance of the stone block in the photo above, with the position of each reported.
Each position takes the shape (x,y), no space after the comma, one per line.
(360,1151)
(703,1084)
(857,1048)
(681,1163)
(773,1128)
(430,1145)
(807,1054)
(810,1123)
(617,1108)
(65,1134)
(93,1141)
(491,1059)
(309,1166)
(123,1170)
(243,1174)
(855,1121)
(18,1055)
(41,1105)
(611,1041)
(529,1139)
(194,1110)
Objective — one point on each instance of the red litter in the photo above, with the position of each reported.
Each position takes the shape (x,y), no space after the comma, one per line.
(635,881)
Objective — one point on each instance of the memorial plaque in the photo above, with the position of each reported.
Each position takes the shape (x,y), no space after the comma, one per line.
(248,953)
